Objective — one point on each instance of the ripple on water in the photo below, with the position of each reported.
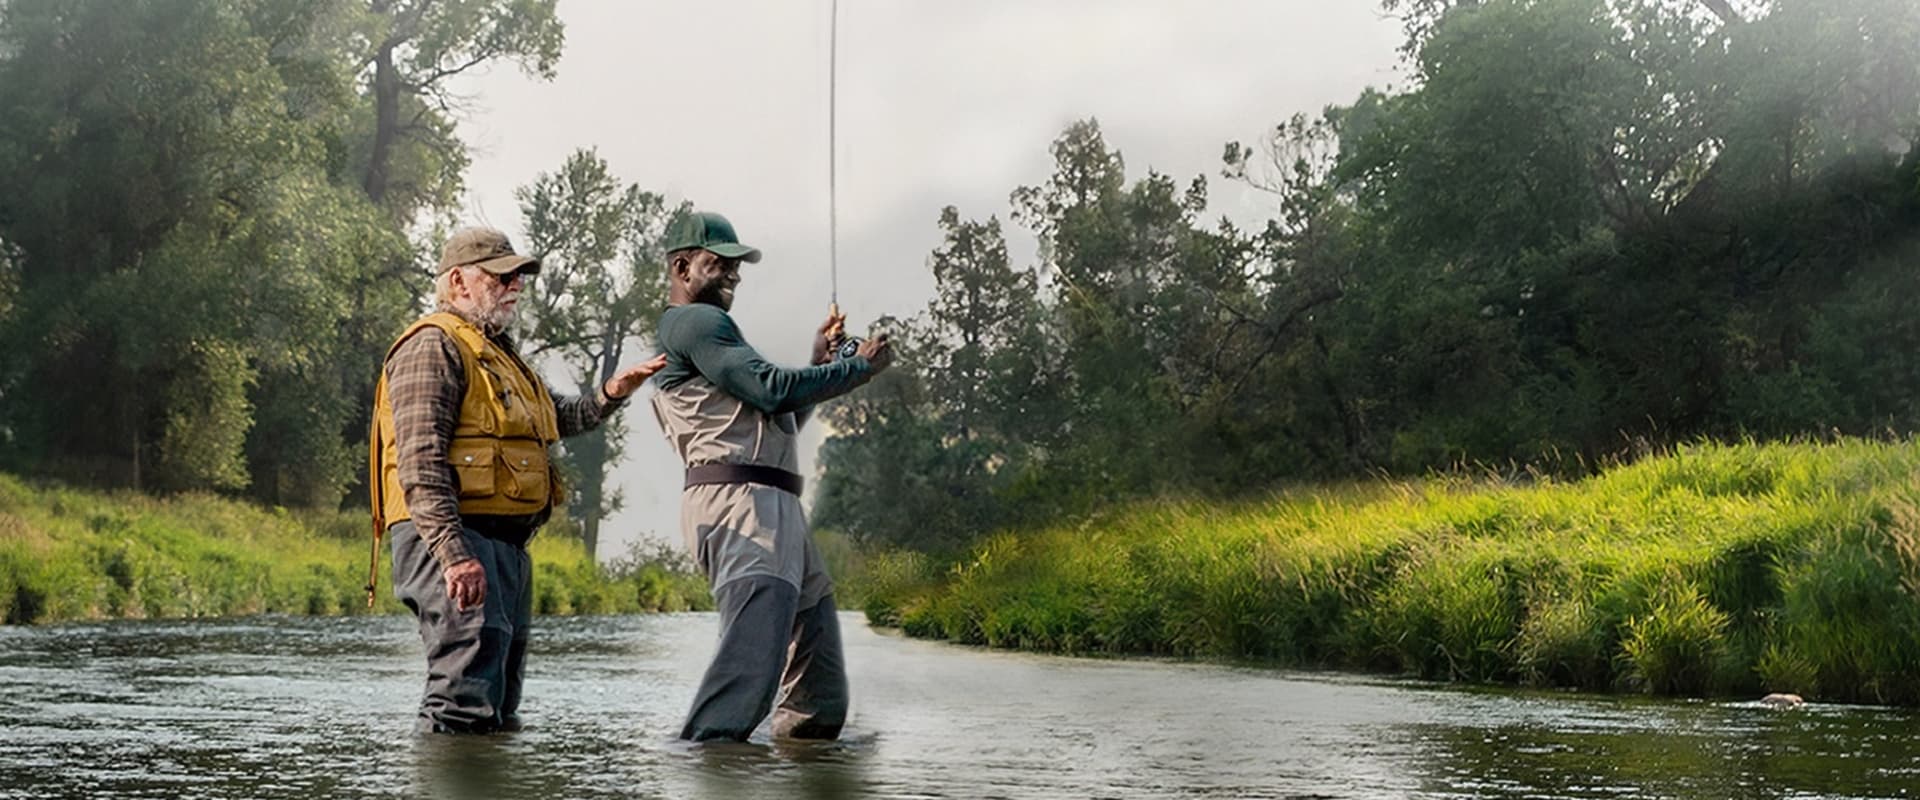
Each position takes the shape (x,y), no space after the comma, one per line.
(300,708)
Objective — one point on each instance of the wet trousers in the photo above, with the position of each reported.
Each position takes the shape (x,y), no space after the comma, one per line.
(476,659)
(769,645)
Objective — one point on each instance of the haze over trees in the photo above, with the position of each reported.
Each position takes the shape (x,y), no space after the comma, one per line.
(1584,227)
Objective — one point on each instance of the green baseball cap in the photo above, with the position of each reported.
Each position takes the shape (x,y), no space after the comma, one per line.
(712,232)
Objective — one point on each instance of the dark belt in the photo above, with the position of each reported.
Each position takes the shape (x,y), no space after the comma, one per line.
(746,473)
(515,530)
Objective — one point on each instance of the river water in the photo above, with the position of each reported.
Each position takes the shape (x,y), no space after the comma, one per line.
(300,708)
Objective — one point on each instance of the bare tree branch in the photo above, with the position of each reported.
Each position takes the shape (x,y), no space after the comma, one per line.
(1723,10)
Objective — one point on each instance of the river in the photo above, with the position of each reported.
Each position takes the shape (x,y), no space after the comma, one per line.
(303,708)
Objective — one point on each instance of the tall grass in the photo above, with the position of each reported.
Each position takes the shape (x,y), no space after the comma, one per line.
(68,554)
(1715,569)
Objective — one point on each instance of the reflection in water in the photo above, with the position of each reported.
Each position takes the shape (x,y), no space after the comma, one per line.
(780,768)
(300,708)
(470,766)
(1612,747)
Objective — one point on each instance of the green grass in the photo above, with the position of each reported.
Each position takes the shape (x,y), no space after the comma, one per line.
(69,554)
(1714,570)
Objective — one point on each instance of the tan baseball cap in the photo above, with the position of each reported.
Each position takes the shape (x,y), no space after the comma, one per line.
(486,248)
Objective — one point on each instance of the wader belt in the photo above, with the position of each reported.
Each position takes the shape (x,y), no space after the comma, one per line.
(513,530)
(746,473)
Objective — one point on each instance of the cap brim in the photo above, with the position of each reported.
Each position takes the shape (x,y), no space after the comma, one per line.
(739,251)
(506,264)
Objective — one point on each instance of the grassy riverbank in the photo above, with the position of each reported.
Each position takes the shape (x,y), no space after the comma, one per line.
(1715,570)
(68,554)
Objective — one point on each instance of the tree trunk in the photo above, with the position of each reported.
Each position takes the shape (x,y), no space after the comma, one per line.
(386,126)
(132,419)
(592,447)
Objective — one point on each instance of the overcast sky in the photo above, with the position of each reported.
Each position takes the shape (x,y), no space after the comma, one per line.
(724,103)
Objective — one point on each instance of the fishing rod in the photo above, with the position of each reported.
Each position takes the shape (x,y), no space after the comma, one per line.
(841,345)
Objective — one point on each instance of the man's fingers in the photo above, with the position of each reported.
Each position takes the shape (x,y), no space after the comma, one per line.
(466,585)
(630,378)
(645,368)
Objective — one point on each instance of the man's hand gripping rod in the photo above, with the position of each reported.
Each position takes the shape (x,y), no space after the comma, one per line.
(839,343)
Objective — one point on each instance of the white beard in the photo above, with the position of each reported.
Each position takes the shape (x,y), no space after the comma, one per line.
(496,319)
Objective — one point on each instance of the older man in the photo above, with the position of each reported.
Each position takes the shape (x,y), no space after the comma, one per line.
(735,419)
(461,478)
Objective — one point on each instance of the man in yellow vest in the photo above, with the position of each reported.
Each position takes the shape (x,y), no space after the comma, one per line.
(462,478)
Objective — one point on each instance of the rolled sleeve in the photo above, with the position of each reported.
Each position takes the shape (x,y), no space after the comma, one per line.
(426,379)
(577,415)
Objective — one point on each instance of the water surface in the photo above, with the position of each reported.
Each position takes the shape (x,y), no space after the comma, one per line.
(300,708)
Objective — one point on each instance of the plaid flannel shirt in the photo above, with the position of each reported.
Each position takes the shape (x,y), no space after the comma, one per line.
(426,381)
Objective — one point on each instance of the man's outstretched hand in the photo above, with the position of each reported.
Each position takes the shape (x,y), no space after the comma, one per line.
(878,352)
(629,379)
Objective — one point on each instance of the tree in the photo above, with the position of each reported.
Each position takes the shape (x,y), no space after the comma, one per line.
(397,141)
(191,167)
(1158,314)
(918,458)
(154,168)
(1588,222)
(412,50)
(602,282)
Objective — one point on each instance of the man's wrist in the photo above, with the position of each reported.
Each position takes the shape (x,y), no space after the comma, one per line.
(451,552)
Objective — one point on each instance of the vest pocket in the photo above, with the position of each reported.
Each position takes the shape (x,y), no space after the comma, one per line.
(473,465)
(525,477)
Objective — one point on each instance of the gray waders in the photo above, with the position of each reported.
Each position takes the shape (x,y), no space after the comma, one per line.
(476,658)
(768,645)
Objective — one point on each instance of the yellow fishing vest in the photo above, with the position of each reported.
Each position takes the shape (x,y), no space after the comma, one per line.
(499,448)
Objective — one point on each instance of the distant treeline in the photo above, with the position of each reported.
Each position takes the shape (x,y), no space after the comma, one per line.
(1585,229)
(1581,224)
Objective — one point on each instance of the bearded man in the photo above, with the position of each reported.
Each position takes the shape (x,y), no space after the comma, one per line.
(462,478)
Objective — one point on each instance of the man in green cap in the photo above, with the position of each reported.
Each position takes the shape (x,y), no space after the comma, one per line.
(734,419)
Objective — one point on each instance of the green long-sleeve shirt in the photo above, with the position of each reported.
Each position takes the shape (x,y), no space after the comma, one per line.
(701,340)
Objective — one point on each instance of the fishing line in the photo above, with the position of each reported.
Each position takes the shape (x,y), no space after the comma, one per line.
(833,152)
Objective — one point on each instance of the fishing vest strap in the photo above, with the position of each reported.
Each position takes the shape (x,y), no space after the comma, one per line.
(746,473)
